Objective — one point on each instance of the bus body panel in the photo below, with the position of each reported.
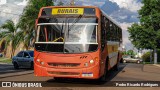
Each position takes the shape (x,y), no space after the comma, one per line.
(66,63)
(58,67)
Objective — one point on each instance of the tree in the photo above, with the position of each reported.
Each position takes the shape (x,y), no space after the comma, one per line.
(146,35)
(10,35)
(60,3)
(130,52)
(27,20)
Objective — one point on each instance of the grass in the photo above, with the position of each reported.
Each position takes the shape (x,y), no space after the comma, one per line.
(5,60)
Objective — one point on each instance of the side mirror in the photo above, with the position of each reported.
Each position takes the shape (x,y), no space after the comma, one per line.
(27,57)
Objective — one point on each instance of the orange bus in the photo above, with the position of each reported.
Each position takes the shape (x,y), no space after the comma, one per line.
(76,42)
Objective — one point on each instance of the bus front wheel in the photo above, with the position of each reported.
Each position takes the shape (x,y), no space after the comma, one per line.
(104,77)
(58,79)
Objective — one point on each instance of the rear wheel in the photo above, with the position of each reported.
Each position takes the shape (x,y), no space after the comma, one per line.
(116,67)
(138,62)
(124,61)
(16,66)
(121,61)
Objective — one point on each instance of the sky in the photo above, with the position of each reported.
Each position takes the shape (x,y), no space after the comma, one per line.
(124,12)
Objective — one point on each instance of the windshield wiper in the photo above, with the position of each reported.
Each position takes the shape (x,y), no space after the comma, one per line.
(77,20)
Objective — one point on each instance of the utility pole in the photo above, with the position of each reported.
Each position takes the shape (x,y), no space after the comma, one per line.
(72,3)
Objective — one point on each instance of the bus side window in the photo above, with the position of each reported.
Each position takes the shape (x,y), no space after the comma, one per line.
(103,33)
(107,29)
(114,33)
(111,32)
(118,31)
(120,34)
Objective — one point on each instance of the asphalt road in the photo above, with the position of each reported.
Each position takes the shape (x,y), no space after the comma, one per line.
(127,72)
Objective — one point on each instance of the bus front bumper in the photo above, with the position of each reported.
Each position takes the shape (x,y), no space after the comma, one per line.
(87,73)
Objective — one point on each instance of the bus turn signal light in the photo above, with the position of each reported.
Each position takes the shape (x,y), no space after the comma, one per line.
(38,60)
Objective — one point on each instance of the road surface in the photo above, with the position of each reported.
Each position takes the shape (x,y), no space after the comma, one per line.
(127,72)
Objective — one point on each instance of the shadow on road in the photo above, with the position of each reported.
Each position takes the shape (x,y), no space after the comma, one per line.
(8,68)
(81,82)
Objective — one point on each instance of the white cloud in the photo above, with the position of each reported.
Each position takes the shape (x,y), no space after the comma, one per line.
(3,2)
(10,11)
(23,3)
(126,40)
(123,17)
(132,5)
(99,4)
(92,3)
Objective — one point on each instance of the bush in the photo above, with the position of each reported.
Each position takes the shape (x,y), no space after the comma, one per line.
(146,57)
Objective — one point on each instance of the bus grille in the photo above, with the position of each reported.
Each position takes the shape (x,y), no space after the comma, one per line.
(63,73)
(64,64)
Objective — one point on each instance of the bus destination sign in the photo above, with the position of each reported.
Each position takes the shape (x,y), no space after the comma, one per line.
(56,11)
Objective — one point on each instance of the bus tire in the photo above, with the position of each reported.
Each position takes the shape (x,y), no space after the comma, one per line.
(103,78)
(58,79)
(121,61)
(116,67)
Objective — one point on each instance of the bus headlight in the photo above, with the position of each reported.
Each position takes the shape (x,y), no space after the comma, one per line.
(38,60)
(91,61)
(86,64)
(42,63)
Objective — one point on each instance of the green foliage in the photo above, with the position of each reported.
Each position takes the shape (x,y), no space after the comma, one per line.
(146,35)
(60,3)
(27,20)
(146,57)
(10,35)
(129,52)
(5,60)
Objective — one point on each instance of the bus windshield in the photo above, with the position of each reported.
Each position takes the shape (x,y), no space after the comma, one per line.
(67,35)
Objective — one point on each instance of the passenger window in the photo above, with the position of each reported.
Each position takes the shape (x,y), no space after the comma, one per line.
(111,32)
(103,33)
(107,29)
